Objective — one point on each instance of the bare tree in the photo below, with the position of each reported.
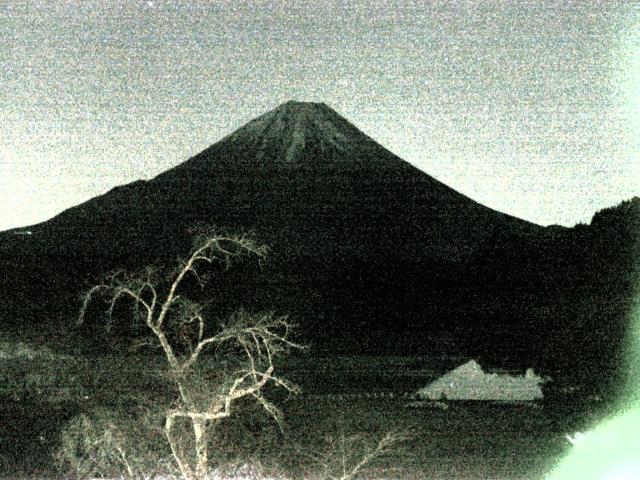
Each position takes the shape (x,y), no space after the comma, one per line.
(180,328)
(350,457)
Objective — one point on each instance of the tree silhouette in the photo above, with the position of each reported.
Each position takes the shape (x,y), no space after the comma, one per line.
(248,343)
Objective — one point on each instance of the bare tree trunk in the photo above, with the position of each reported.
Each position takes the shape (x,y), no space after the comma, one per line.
(202,460)
(183,465)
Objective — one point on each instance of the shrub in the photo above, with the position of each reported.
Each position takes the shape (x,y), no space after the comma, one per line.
(107,444)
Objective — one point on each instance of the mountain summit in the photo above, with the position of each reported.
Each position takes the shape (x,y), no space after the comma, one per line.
(296,135)
(303,126)
(298,131)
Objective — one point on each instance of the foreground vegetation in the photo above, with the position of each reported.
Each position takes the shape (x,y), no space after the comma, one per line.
(46,419)
(194,399)
(169,424)
(245,348)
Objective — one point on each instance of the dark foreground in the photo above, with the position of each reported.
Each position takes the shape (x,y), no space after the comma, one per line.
(341,400)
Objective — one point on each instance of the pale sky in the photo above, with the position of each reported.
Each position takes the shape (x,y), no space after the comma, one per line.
(529,107)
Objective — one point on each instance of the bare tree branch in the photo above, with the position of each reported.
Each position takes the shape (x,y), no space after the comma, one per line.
(348,456)
(179,325)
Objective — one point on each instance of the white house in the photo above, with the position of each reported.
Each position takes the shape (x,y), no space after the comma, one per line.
(470,382)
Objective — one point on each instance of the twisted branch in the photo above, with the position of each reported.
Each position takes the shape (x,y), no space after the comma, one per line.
(258,337)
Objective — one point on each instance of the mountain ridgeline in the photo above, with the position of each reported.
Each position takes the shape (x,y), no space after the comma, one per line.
(368,253)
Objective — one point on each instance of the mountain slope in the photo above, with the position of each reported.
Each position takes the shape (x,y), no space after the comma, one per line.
(306,179)
(368,252)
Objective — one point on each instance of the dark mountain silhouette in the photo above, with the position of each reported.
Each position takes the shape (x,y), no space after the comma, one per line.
(304,178)
(368,252)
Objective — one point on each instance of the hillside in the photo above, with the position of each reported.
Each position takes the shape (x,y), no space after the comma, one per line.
(368,253)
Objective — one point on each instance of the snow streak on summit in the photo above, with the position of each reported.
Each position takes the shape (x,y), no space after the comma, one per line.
(301,132)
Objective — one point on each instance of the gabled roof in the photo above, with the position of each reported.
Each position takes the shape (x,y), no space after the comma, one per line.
(470,382)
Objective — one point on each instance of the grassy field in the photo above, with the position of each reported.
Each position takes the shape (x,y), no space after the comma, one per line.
(342,398)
